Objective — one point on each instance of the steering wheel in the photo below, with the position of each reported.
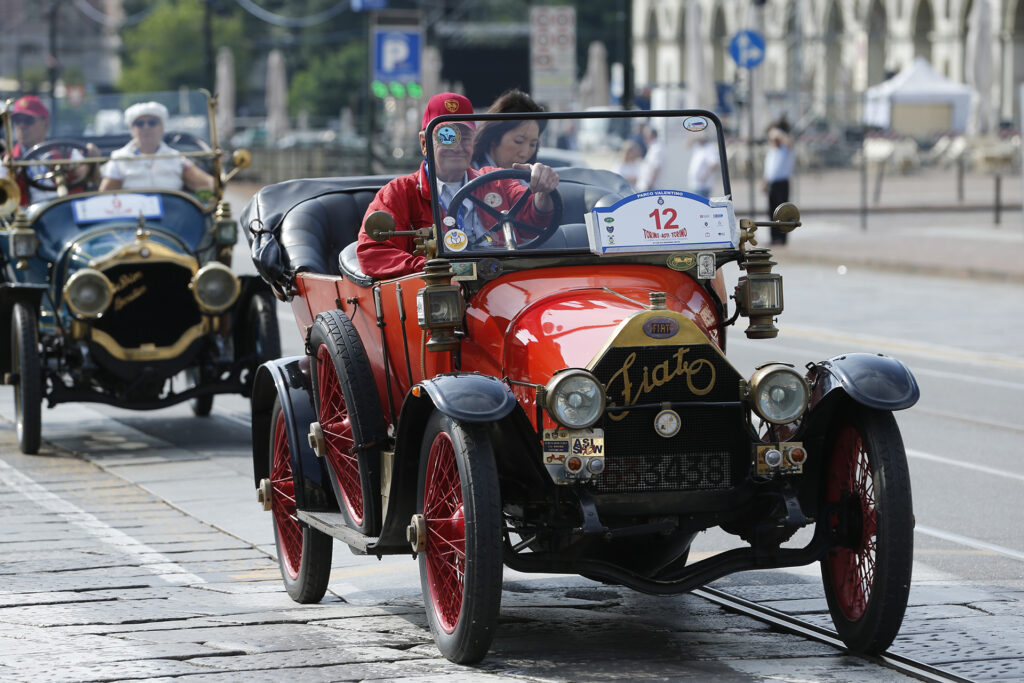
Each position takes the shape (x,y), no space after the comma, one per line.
(75,174)
(511,216)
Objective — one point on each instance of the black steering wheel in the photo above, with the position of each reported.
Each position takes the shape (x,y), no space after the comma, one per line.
(511,216)
(75,174)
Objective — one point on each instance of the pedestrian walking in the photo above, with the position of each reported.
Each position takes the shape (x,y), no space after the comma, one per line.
(778,168)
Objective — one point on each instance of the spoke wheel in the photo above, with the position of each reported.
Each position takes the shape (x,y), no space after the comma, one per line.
(349,414)
(536,234)
(460,568)
(28,391)
(867,493)
(303,553)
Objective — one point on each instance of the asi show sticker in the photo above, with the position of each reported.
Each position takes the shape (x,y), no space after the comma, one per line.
(456,240)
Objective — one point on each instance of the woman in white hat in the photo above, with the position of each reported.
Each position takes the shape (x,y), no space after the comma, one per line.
(147,162)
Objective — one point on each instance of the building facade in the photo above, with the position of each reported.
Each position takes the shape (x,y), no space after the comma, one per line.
(821,55)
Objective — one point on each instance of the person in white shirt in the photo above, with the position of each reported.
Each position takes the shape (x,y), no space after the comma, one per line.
(778,167)
(704,166)
(654,159)
(147,162)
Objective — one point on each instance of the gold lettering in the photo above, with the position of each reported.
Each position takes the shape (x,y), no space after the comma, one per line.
(122,301)
(127,279)
(659,375)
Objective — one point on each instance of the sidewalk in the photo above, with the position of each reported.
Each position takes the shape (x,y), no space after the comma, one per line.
(963,244)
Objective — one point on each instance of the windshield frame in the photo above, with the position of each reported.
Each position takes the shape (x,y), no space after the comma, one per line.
(646,115)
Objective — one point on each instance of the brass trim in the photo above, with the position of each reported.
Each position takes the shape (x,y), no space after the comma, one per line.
(630,333)
(147,352)
(132,253)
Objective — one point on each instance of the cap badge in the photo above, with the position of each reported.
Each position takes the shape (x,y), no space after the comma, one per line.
(452,105)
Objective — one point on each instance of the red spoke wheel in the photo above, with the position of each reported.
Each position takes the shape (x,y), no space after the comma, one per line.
(303,552)
(867,492)
(349,414)
(460,568)
(28,390)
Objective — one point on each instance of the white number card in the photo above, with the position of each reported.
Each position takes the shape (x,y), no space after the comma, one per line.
(663,220)
(108,207)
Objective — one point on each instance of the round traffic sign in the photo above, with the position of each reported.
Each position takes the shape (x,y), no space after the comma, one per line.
(747,49)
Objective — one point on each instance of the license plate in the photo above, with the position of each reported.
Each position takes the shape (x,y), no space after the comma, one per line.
(560,444)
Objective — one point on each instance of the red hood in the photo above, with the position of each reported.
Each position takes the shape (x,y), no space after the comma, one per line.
(528,325)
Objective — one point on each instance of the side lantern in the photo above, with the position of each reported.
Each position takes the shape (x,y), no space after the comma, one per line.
(759,295)
(440,306)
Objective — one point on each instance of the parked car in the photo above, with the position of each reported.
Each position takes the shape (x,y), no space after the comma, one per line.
(124,297)
(555,396)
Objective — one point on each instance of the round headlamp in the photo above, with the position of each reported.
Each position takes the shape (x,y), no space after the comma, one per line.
(779,393)
(575,399)
(215,287)
(88,293)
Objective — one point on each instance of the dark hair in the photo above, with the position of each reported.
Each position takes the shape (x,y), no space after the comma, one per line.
(490,133)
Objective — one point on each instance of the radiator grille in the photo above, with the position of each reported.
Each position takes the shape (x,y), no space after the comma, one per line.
(710,451)
(152,304)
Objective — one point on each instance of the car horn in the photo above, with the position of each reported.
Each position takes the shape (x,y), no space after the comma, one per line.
(10,196)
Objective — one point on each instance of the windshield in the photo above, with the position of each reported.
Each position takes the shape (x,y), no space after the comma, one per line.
(617,182)
(168,133)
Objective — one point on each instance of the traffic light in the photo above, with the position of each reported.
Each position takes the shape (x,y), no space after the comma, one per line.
(397,89)
(379,89)
(414,89)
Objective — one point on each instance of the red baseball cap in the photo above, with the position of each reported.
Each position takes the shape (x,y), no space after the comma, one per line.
(447,103)
(31,105)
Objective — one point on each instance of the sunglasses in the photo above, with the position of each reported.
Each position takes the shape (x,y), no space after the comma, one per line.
(23,120)
(141,123)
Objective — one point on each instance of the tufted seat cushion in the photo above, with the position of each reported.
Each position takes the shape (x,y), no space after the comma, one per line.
(314,232)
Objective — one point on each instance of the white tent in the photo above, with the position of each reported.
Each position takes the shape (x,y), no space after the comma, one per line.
(918,101)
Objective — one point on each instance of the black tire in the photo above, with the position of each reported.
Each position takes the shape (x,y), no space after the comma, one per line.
(461,593)
(28,392)
(303,553)
(867,487)
(262,340)
(202,405)
(348,410)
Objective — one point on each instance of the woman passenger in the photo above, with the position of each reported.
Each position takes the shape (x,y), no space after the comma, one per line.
(503,143)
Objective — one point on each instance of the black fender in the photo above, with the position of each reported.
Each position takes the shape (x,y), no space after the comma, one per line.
(469,397)
(872,380)
(30,293)
(288,380)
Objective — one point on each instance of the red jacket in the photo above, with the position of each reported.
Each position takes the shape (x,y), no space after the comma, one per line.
(407,199)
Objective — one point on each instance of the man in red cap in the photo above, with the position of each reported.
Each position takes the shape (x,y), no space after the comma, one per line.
(31,121)
(407,198)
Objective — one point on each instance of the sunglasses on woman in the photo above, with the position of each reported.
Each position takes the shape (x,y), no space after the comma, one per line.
(140,123)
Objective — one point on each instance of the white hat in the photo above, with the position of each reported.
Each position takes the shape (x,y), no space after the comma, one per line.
(145,109)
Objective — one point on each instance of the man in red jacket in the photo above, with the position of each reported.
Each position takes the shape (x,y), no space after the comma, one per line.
(407,198)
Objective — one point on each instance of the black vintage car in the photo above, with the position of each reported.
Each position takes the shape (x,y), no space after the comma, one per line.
(124,297)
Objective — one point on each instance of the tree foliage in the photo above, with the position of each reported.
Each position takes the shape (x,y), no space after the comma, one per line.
(165,51)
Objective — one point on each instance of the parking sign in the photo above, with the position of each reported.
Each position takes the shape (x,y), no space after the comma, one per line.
(396,54)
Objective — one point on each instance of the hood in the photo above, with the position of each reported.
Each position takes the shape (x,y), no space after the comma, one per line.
(537,322)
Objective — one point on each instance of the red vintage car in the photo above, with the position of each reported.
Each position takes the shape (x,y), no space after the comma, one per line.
(551,393)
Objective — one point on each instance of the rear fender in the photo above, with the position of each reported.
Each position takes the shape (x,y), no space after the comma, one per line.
(10,293)
(288,379)
(462,396)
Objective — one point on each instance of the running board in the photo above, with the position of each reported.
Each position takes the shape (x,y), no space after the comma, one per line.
(334,524)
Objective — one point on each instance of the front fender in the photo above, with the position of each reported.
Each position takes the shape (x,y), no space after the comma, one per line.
(870,379)
(10,293)
(468,397)
(286,380)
